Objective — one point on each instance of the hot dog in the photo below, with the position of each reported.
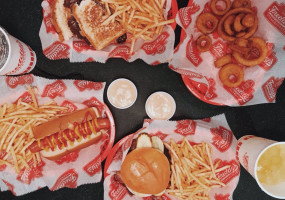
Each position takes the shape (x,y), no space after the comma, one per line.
(69,133)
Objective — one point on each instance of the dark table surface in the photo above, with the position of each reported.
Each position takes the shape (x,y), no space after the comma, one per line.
(23,18)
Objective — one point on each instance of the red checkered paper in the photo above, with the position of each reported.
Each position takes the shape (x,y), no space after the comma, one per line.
(199,73)
(77,168)
(214,131)
(159,50)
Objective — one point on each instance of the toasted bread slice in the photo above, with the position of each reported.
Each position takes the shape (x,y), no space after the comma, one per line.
(60,15)
(90,17)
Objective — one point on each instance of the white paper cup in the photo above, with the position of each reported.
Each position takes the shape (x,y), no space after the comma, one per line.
(19,58)
(122,93)
(276,191)
(160,105)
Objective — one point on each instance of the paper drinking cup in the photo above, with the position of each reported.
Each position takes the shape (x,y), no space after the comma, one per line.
(15,56)
(270,170)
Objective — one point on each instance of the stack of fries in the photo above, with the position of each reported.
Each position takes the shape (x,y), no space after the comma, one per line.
(193,173)
(141,18)
(16,122)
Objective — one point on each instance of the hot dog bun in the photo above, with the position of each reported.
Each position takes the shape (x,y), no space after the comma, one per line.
(65,122)
(146,171)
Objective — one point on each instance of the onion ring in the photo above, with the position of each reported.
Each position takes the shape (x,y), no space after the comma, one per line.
(241,34)
(251,30)
(203,43)
(223,61)
(238,27)
(220,12)
(241,42)
(228,23)
(248,20)
(241,4)
(231,75)
(207,23)
(257,43)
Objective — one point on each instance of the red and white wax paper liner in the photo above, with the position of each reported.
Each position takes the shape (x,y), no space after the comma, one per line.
(214,131)
(74,169)
(201,77)
(159,50)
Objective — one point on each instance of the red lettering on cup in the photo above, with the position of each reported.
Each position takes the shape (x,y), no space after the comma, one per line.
(245,161)
(185,14)
(57,50)
(71,107)
(156,46)
(55,89)
(230,173)
(243,93)
(270,87)
(71,157)
(275,14)
(10,186)
(93,167)
(28,175)
(82,85)
(222,139)
(185,127)
(122,51)
(48,23)
(117,190)
(192,53)
(67,179)
(21,61)
(159,134)
(222,196)
(80,46)
(14,81)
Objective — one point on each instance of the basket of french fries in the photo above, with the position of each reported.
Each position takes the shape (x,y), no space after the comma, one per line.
(90,30)
(28,102)
(200,161)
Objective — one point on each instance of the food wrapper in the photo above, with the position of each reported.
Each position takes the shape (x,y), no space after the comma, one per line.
(199,73)
(159,50)
(77,168)
(214,131)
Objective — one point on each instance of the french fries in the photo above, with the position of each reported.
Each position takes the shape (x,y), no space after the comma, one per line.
(193,173)
(141,18)
(16,122)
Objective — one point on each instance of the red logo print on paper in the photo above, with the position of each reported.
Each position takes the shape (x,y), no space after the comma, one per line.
(93,167)
(162,197)
(230,173)
(243,93)
(94,102)
(219,49)
(120,52)
(128,143)
(159,134)
(67,179)
(270,59)
(207,92)
(25,97)
(185,127)
(117,190)
(245,161)
(222,197)
(10,186)
(192,53)
(71,157)
(157,46)
(222,139)
(119,155)
(57,50)
(206,119)
(14,81)
(89,60)
(71,107)
(275,14)
(82,85)
(155,63)
(149,121)
(80,46)
(270,87)
(188,73)
(28,175)
(55,89)
(185,14)
(2,155)
(48,23)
